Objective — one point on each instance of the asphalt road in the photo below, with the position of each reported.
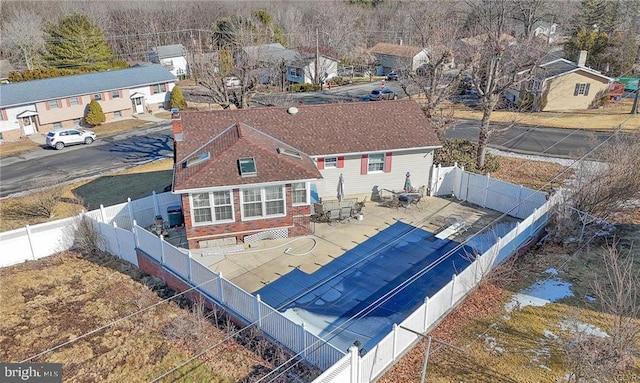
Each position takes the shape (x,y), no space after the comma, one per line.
(45,167)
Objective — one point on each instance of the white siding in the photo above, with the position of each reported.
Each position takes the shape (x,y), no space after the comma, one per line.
(418,163)
(177,63)
(12,117)
(155,98)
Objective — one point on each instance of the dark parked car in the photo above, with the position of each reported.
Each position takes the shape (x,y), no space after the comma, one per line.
(382,94)
(392,76)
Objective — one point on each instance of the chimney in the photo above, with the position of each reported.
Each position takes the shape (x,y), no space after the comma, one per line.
(582,58)
(176,123)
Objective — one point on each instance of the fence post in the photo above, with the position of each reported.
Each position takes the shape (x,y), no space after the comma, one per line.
(33,253)
(355,365)
(257,310)
(131,217)
(220,291)
(161,238)
(533,222)
(453,288)
(303,340)
(115,232)
(189,266)
(426,314)
(102,219)
(156,205)
(486,190)
(135,233)
(395,341)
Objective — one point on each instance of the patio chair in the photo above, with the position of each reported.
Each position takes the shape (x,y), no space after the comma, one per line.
(393,202)
(415,202)
(345,214)
(319,213)
(333,216)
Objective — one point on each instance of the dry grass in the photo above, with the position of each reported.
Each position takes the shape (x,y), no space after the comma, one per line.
(531,174)
(140,182)
(593,119)
(61,297)
(15,148)
(515,346)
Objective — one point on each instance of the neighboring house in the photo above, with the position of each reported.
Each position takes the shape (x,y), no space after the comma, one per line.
(561,84)
(172,57)
(41,105)
(541,29)
(245,171)
(299,64)
(466,48)
(5,69)
(398,56)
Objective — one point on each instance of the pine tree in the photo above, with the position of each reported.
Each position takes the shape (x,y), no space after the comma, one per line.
(177,99)
(76,42)
(95,115)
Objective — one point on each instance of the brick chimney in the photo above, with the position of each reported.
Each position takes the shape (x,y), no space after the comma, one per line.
(176,123)
(582,58)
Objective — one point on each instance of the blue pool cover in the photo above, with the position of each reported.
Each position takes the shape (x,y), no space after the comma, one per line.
(366,283)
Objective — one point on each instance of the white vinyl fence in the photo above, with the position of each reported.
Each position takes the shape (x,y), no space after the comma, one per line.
(123,227)
(37,241)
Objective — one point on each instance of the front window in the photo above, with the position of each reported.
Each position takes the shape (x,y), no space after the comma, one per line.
(252,202)
(57,125)
(76,121)
(212,207)
(331,162)
(117,114)
(376,162)
(158,88)
(53,104)
(74,101)
(263,202)
(299,193)
(97,97)
(115,94)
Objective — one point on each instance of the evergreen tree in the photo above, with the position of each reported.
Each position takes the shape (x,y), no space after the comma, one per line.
(95,115)
(76,42)
(177,99)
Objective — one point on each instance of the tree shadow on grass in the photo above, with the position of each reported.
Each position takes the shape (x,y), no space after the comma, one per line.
(137,149)
(112,190)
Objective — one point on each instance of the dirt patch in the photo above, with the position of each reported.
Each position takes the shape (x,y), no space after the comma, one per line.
(59,298)
(531,174)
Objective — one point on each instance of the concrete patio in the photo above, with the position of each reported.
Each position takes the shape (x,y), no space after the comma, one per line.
(258,266)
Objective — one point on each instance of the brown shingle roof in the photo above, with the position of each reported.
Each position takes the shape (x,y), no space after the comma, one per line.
(233,143)
(395,50)
(318,130)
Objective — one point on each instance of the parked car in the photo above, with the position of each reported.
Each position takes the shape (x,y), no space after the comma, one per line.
(382,94)
(232,82)
(61,137)
(392,76)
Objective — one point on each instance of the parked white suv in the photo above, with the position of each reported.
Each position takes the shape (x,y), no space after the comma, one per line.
(61,137)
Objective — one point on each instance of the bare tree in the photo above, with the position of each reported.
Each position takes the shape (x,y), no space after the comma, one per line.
(529,12)
(596,358)
(497,62)
(24,36)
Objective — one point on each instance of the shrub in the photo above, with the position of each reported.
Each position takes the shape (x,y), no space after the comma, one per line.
(177,99)
(95,115)
(303,87)
(464,153)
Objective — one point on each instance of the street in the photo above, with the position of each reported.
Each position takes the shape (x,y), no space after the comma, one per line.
(45,167)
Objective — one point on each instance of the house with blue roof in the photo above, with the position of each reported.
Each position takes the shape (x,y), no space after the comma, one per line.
(39,106)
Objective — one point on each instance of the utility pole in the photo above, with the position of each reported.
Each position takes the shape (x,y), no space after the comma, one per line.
(317,74)
(634,109)
(428,349)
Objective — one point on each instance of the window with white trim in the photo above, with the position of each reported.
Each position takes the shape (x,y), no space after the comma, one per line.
(74,100)
(115,94)
(212,207)
(76,122)
(330,162)
(157,88)
(263,202)
(53,104)
(376,162)
(97,97)
(299,193)
(56,125)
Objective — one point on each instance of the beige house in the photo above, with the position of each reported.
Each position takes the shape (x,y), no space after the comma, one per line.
(398,56)
(41,105)
(561,84)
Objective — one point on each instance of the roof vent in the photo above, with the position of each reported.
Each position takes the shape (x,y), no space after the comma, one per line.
(292,110)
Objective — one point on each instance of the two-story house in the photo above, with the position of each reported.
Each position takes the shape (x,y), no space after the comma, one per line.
(172,57)
(41,105)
